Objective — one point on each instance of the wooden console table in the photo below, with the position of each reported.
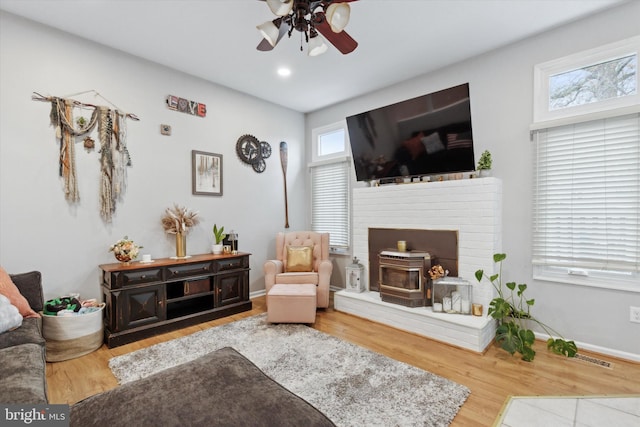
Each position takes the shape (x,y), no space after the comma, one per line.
(145,299)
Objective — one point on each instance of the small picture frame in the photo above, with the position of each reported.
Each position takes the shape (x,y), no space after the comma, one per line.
(206,173)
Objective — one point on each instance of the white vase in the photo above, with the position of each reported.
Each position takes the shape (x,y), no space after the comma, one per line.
(216,249)
(485,173)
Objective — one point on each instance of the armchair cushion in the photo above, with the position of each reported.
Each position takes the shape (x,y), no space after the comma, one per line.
(299,258)
(295,278)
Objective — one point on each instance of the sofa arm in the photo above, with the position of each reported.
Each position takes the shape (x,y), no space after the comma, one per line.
(30,286)
(271,268)
(325,268)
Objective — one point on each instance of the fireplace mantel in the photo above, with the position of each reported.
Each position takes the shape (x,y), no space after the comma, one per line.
(472,207)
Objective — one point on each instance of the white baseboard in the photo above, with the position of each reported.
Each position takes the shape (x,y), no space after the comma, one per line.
(599,349)
(258,293)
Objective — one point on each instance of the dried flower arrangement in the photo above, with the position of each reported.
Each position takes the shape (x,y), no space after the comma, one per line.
(179,219)
(437,272)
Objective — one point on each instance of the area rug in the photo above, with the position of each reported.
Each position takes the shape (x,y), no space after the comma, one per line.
(353,386)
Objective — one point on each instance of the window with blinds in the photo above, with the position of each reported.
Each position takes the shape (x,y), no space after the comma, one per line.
(330,176)
(330,202)
(586,218)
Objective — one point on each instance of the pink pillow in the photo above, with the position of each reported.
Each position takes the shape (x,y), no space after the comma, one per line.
(414,146)
(11,291)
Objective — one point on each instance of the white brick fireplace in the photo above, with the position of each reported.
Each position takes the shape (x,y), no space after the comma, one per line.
(473,208)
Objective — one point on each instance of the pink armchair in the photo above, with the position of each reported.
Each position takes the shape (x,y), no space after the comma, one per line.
(275,271)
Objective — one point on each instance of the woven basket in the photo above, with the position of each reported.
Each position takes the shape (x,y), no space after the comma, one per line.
(69,337)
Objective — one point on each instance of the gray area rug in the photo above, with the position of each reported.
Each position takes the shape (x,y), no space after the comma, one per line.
(353,386)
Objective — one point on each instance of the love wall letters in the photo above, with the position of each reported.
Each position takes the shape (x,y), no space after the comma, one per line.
(185,106)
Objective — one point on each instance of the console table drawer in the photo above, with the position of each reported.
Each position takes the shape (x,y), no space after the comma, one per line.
(199,268)
(121,279)
(231,264)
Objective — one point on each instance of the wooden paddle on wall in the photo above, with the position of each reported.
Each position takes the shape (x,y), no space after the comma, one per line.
(284,156)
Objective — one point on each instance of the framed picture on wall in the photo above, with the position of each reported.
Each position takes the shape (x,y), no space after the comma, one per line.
(206,173)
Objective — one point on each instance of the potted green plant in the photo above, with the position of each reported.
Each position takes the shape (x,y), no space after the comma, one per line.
(512,310)
(484,163)
(218,235)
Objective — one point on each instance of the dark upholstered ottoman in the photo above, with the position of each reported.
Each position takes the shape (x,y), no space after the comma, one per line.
(221,388)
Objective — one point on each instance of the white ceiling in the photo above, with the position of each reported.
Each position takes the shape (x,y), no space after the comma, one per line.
(216,39)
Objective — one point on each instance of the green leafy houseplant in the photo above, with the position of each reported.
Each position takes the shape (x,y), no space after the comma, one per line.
(512,310)
(218,234)
(484,163)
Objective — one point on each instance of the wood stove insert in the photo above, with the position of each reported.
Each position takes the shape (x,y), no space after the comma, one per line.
(404,279)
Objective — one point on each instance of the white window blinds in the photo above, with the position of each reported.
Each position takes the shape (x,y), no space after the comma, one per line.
(330,202)
(587,195)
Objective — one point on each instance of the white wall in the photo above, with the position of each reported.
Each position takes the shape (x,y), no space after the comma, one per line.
(501,89)
(40,231)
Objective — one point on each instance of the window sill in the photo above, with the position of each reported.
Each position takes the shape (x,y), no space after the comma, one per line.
(627,285)
(339,251)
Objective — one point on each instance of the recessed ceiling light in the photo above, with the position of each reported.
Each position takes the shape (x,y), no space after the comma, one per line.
(284,72)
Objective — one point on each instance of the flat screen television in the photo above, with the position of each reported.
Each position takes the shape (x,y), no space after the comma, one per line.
(426,135)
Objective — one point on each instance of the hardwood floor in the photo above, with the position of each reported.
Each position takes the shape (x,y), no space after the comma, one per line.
(492,377)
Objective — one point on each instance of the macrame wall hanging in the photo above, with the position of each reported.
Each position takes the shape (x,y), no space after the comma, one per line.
(114,156)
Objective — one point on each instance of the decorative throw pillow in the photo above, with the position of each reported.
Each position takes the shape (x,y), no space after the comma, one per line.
(414,146)
(432,143)
(10,317)
(11,291)
(299,258)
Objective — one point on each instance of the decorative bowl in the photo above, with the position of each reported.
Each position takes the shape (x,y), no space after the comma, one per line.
(125,250)
(123,257)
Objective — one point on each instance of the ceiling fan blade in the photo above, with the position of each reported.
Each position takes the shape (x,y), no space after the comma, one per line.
(342,41)
(265,46)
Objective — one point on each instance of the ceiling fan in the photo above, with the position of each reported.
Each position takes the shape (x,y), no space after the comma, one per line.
(312,18)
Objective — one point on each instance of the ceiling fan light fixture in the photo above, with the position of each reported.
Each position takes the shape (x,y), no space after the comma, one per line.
(284,72)
(280,7)
(312,19)
(269,31)
(317,46)
(337,15)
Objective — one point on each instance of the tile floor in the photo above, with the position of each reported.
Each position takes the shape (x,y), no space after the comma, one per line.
(578,411)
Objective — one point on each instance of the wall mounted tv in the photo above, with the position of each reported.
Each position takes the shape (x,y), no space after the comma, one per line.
(427,135)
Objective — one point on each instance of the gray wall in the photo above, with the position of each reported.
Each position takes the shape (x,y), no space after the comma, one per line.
(40,231)
(501,86)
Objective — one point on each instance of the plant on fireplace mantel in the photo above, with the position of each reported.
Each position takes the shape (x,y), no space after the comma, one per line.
(484,163)
(512,310)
